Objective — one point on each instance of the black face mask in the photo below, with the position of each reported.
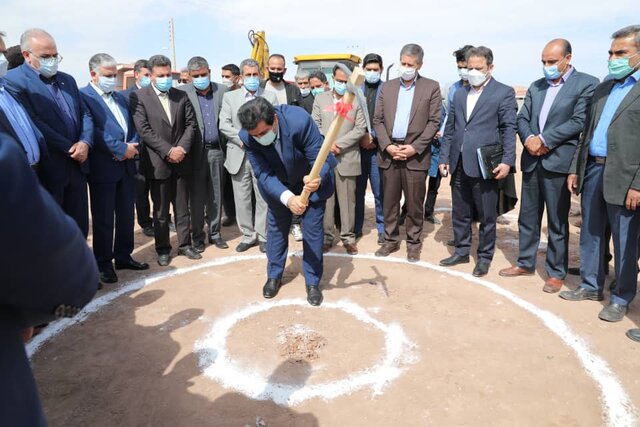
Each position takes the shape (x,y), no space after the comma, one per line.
(276,77)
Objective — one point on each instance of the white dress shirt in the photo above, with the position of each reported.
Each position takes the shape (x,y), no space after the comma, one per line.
(113,107)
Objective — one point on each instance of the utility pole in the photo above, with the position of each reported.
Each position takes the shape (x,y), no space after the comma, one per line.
(172,39)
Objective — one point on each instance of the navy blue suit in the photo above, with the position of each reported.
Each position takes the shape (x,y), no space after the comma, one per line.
(111,181)
(300,141)
(34,279)
(492,121)
(62,176)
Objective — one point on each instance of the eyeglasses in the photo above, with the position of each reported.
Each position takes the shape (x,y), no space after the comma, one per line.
(58,58)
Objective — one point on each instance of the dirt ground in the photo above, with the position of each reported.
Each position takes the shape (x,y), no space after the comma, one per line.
(479,358)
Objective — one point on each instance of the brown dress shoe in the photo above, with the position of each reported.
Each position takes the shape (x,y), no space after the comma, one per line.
(351,248)
(552,285)
(413,255)
(387,249)
(515,271)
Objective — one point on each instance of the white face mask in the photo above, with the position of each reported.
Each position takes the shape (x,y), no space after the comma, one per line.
(477,78)
(227,82)
(4,65)
(463,73)
(407,73)
(305,92)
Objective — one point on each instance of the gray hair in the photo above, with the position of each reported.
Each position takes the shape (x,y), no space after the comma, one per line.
(482,52)
(631,30)
(300,75)
(196,63)
(159,61)
(413,50)
(25,38)
(248,63)
(101,60)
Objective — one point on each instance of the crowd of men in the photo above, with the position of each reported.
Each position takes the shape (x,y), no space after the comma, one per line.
(242,150)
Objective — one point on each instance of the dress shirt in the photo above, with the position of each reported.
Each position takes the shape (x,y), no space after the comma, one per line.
(20,123)
(164,100)
(403,109)
(552,92)
(113,107)
(53,86)
(248,96)
(598,145)
(279,91)
(209,117)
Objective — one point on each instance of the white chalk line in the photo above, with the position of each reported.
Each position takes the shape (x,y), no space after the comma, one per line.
(617,406)
(219,365)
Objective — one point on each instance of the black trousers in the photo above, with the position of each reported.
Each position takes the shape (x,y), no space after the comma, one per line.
(163,192)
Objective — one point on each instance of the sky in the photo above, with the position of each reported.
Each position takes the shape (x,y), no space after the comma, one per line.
(516,30)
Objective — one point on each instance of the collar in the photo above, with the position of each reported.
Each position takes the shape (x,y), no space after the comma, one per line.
(100,91)
(564,77)
(413,82)
(158,92)
(246,92)
(474,90)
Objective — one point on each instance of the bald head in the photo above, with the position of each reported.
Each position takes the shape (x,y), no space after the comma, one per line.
(557,53)
(37,45)
(34,35)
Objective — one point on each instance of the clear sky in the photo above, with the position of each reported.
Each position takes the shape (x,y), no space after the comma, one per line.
(516,30)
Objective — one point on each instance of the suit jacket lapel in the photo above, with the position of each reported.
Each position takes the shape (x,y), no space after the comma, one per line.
(43,89)
(484,95)
(566,87)
(599,107)
(417,96)
(467,89)
(394,88)
(627,101)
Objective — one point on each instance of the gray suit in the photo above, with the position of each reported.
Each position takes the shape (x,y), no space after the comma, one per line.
(604,189)
(207,186)
(242,178)
(544,177)
(348,167)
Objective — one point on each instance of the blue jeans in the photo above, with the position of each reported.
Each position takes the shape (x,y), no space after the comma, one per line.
(370,173)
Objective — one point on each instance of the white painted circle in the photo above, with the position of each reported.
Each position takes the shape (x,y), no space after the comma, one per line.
(219,366)
(617,406)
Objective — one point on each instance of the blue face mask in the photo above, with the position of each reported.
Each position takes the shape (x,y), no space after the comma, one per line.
(107,84)
(619,68)
(267,138)
(164,83)
(201,83)
(317,91)
(551,72)
(48,67)
(251,83)
(144,81)
(340,88)
(372,77)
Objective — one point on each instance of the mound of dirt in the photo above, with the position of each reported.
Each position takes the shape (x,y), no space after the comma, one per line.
(299,343)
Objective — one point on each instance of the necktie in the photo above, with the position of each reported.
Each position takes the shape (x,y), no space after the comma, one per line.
(67,117)
(164,100)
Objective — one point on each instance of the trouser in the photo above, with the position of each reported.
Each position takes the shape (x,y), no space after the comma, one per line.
(163,191)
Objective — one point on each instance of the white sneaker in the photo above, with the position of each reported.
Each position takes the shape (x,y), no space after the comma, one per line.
(296,231)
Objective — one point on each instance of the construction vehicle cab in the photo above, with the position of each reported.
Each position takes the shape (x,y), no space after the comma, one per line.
(324,63)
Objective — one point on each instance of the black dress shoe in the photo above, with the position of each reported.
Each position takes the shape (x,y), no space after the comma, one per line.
(314,295)
(581,294)
(454,260)
(432,219)
(380,239)
(326,247)
(634,334)
(481,268)
(189,252)
(451,242)
(271,288)
(613,312)
(108,276)
(218,242)
(131,265)
(263,247)
(245,246)
(164,260)
(148,231)
(198,247)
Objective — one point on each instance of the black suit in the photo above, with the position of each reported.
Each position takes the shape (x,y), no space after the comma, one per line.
(34,278)
(168,180)
(544,177)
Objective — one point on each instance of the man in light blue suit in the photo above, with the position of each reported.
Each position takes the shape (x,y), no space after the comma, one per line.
(38,282)
(481,114)
(282,143)
(53,102)
(113,169)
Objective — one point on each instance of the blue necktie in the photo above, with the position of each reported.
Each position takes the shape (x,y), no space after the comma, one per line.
(67,117)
